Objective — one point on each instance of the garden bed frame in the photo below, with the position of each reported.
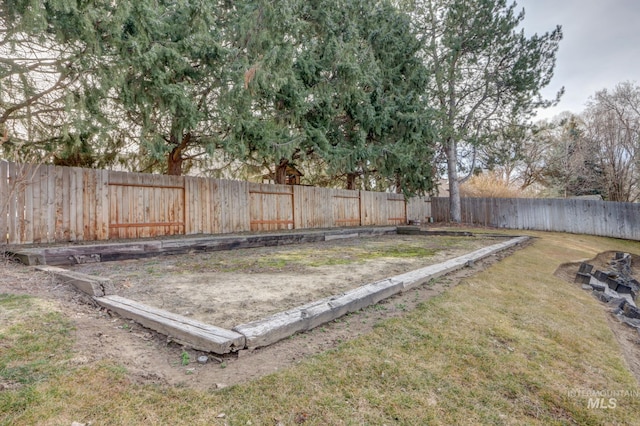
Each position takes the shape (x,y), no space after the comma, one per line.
(263,332)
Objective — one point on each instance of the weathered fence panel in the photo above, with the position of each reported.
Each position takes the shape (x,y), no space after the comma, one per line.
(382,208)
(140,205)
(419,208)
(235,207)
(314,207)
(271,207)
(347,207)
(4,200)
(373,208)
(44,203)
(603,218)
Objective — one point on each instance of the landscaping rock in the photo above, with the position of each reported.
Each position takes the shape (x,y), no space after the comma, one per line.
(597,285)
(603,297)
(585,268)
(631,311)
(583,278)
(587,287)
(617,302)
(632,322)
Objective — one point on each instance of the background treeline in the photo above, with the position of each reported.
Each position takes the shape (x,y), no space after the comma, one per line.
(383,95)
(592,153)
(219,88)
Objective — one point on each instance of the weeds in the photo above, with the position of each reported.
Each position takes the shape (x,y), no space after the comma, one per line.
(401,307)
(185,358)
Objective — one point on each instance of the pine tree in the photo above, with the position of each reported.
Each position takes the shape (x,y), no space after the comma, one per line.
(486,72)
(338,82)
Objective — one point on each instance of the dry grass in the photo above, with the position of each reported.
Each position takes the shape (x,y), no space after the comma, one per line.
(505,347)
(491,185)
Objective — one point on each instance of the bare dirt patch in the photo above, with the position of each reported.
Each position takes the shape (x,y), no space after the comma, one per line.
(229,288)
(150,358)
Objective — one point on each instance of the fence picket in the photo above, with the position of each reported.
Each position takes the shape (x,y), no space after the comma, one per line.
(603,218)
(4,201)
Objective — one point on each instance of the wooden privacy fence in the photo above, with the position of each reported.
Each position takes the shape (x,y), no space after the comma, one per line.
(44,203)
(604,218)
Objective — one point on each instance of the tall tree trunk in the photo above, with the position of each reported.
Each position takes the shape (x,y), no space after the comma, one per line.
(454,187)
(398,184)
(281,172)
(351,180)
(174,162)
(175,158)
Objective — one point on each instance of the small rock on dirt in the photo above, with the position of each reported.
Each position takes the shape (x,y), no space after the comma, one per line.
(202,359)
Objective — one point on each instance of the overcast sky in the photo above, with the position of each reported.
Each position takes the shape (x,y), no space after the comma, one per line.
(600,48)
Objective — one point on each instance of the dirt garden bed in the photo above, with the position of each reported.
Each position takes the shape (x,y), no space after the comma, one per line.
(151,357)
(227,288)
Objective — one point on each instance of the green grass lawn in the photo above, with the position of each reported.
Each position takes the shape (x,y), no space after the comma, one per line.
(510,345)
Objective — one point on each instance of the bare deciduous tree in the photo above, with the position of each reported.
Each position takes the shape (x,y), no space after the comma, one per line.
(612,126)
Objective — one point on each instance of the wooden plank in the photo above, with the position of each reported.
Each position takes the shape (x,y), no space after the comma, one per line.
(52,196)
(26,198)
(115,210)
(4,201)
(136,206)
(65,204)
(83,202)
(220,205)
(16,211)
(214,196)
(145,225)
(195,207)
(279,326)
(89,284)
(155,211)
(188,222)
(40,204)
(89,204)
(128,210)
(240,204)
(181,329)
(102,204)
(38,218)
(206,206)
(73,205)
(180,209)
(112,207)
(272,222)
(142,196)
(255,201)
(161,206)
(175,185)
